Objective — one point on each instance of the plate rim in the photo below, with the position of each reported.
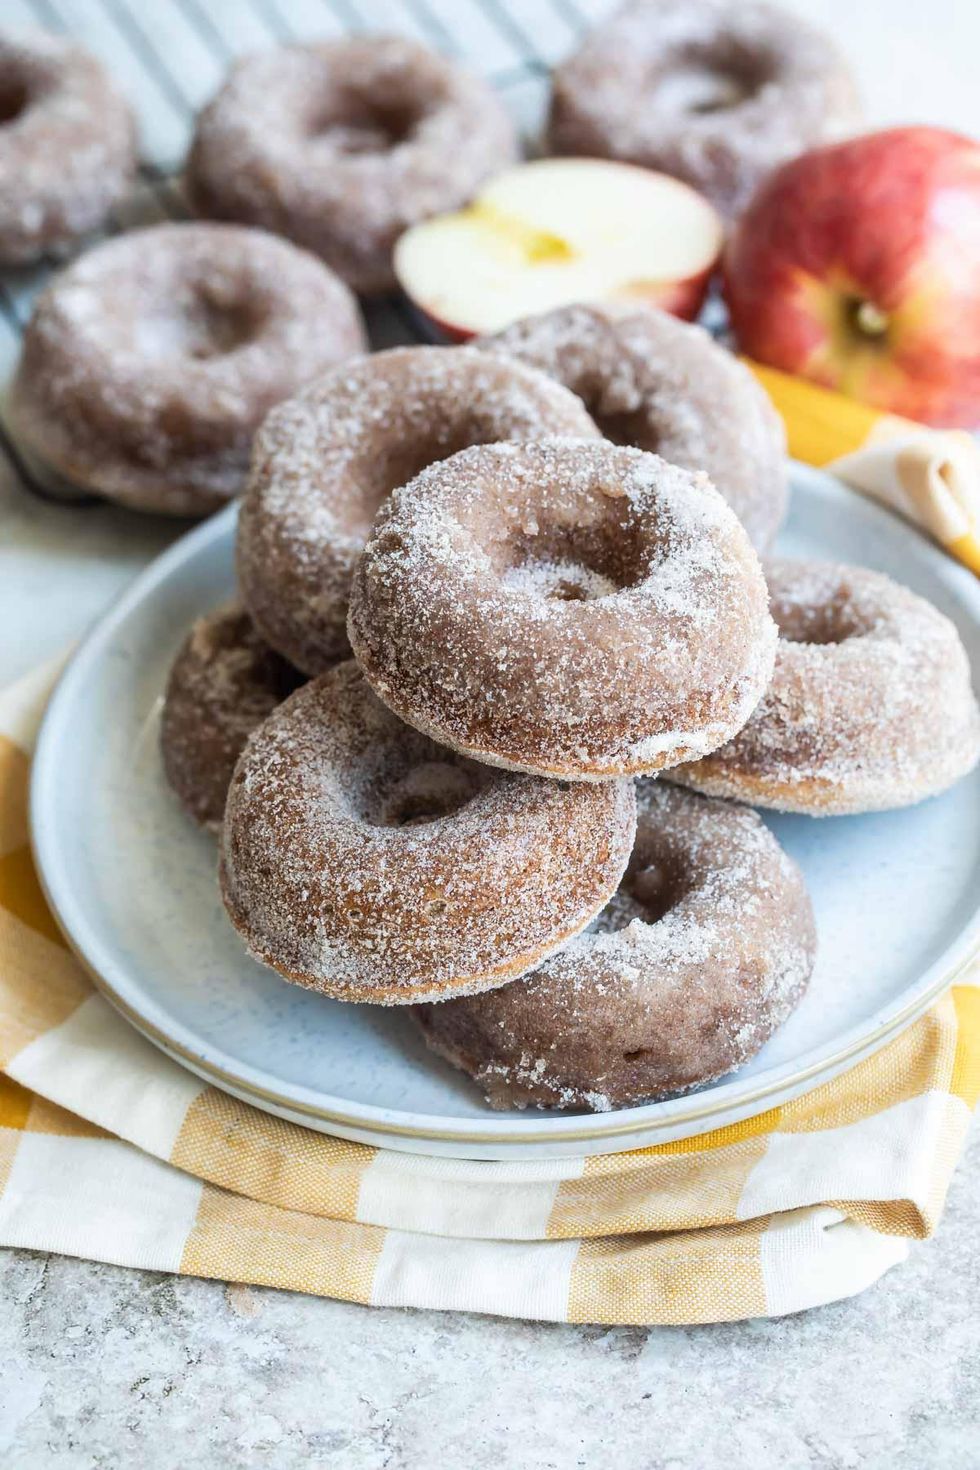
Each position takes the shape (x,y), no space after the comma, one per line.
(692,1112)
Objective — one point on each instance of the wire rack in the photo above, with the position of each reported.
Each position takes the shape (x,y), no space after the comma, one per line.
(170,56)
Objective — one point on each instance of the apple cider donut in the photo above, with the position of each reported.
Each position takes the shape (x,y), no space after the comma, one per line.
(149,363)
(661,384)
(569,608)
(705,949)
(714,93)
(325,461)
(67,146)
(870,705)
(341,146)
(362,860)
(222,684)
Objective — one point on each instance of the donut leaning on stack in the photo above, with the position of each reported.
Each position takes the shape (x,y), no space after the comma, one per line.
(654,382)
(324,462)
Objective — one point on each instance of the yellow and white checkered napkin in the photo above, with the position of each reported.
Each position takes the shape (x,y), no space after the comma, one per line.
(109,1150)
(932,476)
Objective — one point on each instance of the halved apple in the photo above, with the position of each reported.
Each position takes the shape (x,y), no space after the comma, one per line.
(556,231)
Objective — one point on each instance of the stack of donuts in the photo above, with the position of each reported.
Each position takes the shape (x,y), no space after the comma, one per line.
(455,735)
(512,661)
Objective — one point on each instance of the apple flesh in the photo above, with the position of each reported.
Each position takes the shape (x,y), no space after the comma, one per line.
(557,231)
(858,266)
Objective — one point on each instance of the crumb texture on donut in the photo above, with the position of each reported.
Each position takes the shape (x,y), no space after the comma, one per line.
(712,92)
(324,462)
(223,683)
(705,949)
(341,146)
(67,146)
(364,861)
(570,608)
(149,363)
(660,384)
(870,705)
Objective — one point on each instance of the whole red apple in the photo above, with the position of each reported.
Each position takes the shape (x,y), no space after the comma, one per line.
(858,265)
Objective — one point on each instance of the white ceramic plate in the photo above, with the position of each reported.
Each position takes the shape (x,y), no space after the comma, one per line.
(897,895)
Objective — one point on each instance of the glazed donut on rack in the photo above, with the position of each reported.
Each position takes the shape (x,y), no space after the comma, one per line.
(870,704)
(705,949)
(325,461)
(67,146)
(570,608)
(364,861)
(657,383)
(714,93)
(149,363)
(223,683)
(340,146)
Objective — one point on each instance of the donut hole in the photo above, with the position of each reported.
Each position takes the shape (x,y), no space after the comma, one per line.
(820,624)
(702,81)
(648,892)
(361,125)
(14,98)
(425,793)
(198,325)
(567,563)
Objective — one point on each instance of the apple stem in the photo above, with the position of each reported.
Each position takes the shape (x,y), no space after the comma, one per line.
(871,320)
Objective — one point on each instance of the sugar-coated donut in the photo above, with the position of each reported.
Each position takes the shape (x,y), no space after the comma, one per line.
(870,704)
(341,146)
(362,860)
(325,461)
(570,608)
(712,92)
(222,684)
(67,146)
(703,952)
(149,363)
(658,383)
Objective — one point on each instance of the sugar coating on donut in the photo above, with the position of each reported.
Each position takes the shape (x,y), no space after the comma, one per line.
(481,610)
(363,860)
(702,953)
(324,462)
(222,684)
(67,146)
(870,705)
(661,384)
(342,146)
(714,93)
(149,363)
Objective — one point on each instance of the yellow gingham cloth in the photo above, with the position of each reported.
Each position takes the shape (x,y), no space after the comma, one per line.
(932,476)
(111,1151)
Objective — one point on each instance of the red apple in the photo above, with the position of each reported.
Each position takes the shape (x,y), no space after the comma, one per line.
(556,231)
(858,265)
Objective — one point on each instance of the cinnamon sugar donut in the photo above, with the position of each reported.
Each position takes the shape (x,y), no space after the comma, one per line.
(568,608)
(341,146)
(709,91)
(870,704)
(150,362)
(703,952)
(222,684)
(325,461)
(658,383)
(67,146)
(362,860)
